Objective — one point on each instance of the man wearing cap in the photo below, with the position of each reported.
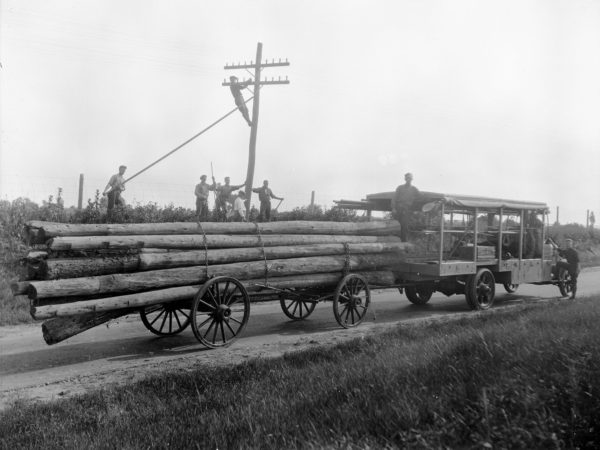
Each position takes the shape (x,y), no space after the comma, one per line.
(265,194)
(402,204)
(113,189)
(201,192)
(236,90)
(239,208)
(224,196)
(571,265)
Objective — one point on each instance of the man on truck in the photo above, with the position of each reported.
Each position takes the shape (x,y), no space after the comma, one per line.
(402,204)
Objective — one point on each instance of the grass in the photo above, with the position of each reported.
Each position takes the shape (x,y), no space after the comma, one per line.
(526,379)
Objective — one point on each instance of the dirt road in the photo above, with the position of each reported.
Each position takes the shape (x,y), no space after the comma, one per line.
(125,351)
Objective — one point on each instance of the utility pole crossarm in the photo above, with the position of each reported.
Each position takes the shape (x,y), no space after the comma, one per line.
(254,66)
(260,83)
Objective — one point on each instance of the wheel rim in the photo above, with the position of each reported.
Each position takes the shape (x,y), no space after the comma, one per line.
(566,286)
(165,319)
(510,287)
(485,289)
(351,301)
(297,308)
(420,294)
(220,311)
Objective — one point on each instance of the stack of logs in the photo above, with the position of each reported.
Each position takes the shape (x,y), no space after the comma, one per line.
(82,275)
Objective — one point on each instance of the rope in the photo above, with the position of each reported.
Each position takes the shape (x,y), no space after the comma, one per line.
(262,246)
(346,269)
(204,241)
(185,143)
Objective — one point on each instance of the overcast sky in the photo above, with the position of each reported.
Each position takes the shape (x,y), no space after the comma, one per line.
(491,98)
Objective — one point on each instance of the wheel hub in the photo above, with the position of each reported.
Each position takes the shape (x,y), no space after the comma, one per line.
(222,313)
(355,300)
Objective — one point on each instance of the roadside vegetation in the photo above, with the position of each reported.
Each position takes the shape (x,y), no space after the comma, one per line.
(516,379)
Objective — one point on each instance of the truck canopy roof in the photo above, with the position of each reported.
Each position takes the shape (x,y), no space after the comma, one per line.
(382,201)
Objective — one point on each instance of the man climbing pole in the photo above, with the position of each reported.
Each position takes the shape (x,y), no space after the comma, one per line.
(236,90)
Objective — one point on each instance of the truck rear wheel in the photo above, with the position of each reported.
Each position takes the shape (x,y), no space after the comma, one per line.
(419,294)
(480,290)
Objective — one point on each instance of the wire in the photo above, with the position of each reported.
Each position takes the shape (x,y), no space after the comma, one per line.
(186,142)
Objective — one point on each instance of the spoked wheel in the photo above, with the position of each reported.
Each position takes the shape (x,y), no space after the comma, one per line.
(481,290)
(511,288)
(565,283)
(220,311)
(166,319)
(419,294)
(351,300)
(297,308)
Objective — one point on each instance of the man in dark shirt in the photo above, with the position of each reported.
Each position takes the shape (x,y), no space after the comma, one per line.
(224,196)
(113,189)
(402,204)
(236,90)
(571,265)
(265,194)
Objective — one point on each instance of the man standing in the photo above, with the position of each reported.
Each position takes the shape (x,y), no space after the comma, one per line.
(236,90)
(223,197)
(402,204)
(571,265)
(113,189)
(265,194)
(239,208)
(201,192)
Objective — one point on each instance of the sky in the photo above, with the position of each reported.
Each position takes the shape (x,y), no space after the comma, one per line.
(490,98)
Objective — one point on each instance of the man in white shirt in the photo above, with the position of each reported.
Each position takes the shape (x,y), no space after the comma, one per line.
(239,208)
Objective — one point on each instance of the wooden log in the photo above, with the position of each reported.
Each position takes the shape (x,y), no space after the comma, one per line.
(197,242)
(41,231)
(54,269)
(61,328)
(181,276)
(19,287)
(143,299)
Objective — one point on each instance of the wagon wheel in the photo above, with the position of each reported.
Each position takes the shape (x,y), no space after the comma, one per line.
(419,294)
(297,307)
(166,319)
(220,311)
(481,289)
(565,282)
(351,300)
(511,288)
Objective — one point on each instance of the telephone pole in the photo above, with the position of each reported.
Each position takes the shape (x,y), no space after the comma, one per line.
(257,66)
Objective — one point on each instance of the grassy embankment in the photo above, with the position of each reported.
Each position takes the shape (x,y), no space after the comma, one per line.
(517,379)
